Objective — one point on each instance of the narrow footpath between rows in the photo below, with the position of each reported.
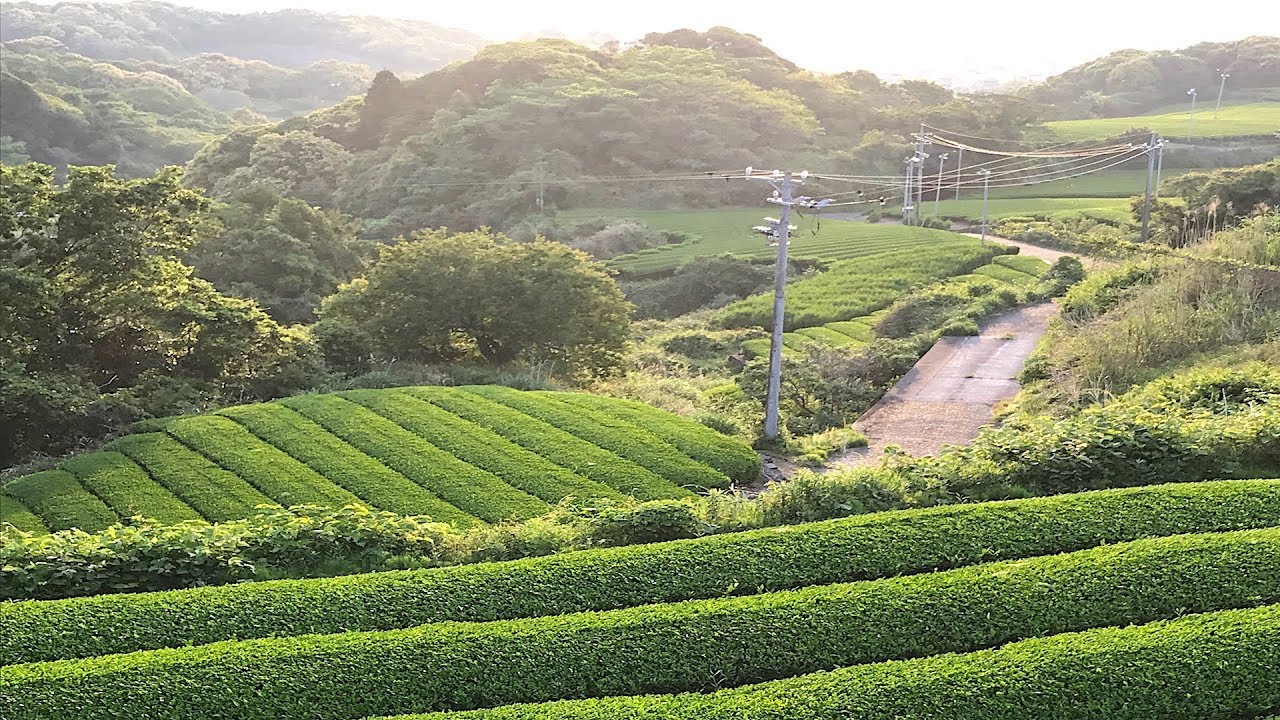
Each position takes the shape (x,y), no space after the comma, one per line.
(952,391)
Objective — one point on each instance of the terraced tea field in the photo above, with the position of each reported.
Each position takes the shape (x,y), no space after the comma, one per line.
(1254,118)
(1142,602)
(718,232)
(467,456)
(1017,271)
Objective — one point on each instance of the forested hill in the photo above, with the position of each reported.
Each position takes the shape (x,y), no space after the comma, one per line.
(1131,82)
(428,151)
(165,33)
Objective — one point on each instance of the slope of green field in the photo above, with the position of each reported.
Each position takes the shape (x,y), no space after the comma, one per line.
(466,456)
(1255,118)
(728,231)
(851,289)
(911,589)
(1111,209)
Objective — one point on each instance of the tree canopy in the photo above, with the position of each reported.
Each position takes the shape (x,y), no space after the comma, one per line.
(438,296)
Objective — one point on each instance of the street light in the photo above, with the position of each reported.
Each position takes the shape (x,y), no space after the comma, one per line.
(1221,86)
(1192,123)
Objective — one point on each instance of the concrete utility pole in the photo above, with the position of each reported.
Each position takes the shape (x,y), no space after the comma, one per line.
(1191,123)
(986,185)
(906,191)
(542,184)
(937,195)
(778,230)
(1146,203)
(1221,86)
(1155,193)
(959,167)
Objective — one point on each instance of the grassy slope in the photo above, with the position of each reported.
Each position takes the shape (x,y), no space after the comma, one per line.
(383,448)
(1259,118)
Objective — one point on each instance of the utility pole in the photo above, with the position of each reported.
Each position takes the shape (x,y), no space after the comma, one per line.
(986,185)
(922,142)
(542,184)
(778,230)
(1192,122)
(906,192)
(1159,166)
(1221,86)
(1146,203)
(937,195)
(959,167)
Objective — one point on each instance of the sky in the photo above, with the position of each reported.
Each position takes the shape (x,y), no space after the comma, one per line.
(932,39)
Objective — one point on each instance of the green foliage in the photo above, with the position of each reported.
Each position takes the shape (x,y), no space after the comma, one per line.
(105,324)
(857,548)
(124,486)
(701,282)
(1214,665)
(280,252)
(147,555)
(1105,289)
(1217,199)
(668,648)
(433,298)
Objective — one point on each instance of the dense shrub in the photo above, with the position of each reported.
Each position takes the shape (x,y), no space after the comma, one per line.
(666,648)
(1215,666)
(845,550)
(149,556)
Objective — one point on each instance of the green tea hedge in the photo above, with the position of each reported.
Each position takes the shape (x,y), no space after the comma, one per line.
(857,548)
(733,458)
(13,512)
(337,460)
(60,501)
(207,488)
(481,447)
(127,488)
(1215,666)
(560,447)
(466,487)
(662,648)
(627,440)
(262,465)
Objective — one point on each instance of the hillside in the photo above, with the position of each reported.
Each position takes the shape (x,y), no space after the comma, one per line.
(471,144)
(1187,570)
(68,109)
(161,32)
(1132,82)
(464,456)
(1235,120)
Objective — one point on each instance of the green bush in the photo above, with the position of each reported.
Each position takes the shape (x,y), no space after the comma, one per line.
(13,514)
(1214,666)
(210,490)
(60,501)
(149,556)
(857,548)
(1102,291)
(664,648)
(611,433)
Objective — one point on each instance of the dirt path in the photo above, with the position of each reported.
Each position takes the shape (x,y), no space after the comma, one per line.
(952,391)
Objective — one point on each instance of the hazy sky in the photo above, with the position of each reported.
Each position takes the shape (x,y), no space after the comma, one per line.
(924,38)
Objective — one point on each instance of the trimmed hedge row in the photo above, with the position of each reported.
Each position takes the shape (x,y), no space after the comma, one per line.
(264,466)
(368,479)
(549,441)
(611,433)
(466,487)
(211,491)
(731,457)
(481,447)
(126,488)
(61,501)
(1214,666)
(16,514)
(1023,263)
(663,648)
(1005,274)
(856,548)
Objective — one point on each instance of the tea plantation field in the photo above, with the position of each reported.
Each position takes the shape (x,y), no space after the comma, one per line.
(1128,604)
(1252,118)
(728,231)
(1016,271)
(467,456)
(1110,209)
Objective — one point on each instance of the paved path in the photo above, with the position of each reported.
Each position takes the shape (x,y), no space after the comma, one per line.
(952,391)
